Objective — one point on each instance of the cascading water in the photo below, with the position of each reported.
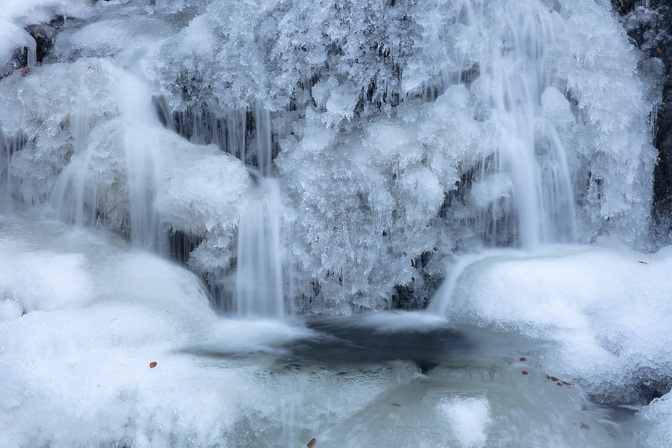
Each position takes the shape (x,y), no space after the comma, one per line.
(143,157)
(259,279)
(75,198)
(536,205)
(528,175)
(259,275)
(386,173)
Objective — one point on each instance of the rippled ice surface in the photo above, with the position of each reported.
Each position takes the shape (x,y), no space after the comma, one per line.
(83,318)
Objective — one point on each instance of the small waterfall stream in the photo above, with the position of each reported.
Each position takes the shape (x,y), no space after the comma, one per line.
(259,279)
(75,198)
(143,157)
(535,206)
(538,207)
(259,274)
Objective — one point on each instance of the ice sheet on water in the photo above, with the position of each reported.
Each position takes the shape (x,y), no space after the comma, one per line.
(78,373)
(122,310)
(390,322)
(252,335)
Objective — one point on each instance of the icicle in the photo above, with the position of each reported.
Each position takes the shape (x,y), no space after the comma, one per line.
(32,50)
(263,138)
(235,132)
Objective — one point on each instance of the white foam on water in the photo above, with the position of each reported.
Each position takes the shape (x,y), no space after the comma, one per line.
(399,321)
(251,335)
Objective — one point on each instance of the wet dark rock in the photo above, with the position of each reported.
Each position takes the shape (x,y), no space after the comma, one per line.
(650,28)
(642,388)
(45,36)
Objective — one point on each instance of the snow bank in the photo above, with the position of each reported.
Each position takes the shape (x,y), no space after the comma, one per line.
(606,309)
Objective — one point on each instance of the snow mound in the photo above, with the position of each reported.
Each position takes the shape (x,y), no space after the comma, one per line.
(606,308)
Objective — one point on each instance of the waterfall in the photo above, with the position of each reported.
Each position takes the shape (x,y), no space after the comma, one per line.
(142,159)
(259,275)
(259,280)
(529,178)
(535,204)
(8,147)
(73,199)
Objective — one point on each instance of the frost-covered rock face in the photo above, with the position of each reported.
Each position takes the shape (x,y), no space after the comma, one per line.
(355,197)
(73,158)
(648,24)
(40,104)
(394,127)
(367,199)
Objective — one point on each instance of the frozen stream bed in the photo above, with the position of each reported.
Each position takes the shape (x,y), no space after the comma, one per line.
(83,319)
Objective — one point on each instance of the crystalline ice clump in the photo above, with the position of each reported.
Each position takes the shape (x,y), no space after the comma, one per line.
(389,122)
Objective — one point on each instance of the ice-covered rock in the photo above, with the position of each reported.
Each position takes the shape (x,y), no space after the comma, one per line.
(200,190)
(366,201)
(605,307)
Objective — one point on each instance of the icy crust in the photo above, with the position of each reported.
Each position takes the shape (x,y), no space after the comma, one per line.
(659,414)
(611,144)
(75,158)
(267,49)
(200,190)
(29,12)
(107,38)
(200,187)
(17,14)
(607,309)
(366,201)
(202,193)
(126,310)
(42,104)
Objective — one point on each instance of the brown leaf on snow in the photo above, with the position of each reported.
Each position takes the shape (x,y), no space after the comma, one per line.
(152,365)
